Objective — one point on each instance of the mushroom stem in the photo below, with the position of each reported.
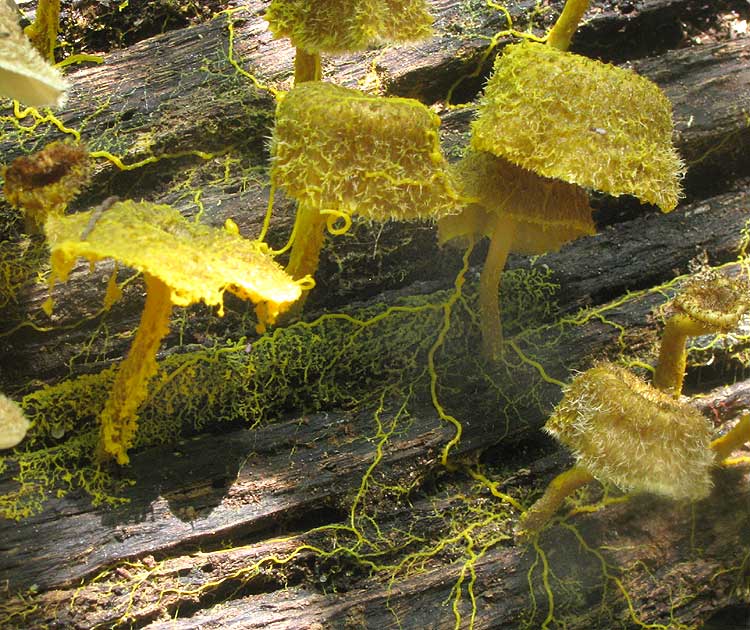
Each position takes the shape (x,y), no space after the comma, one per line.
(306,67)
(726,444)
(562,32)
(43,30)
(533,519)
(670,369)
(308,234)
(119,419)
(489,286)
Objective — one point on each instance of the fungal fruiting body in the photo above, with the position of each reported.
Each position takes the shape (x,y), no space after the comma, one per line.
(602,127)
(707,303)
(519,212)
(341,26)
(45,182)
(24,74)
(338,152)
(183,263)
(13,423)
(625,432)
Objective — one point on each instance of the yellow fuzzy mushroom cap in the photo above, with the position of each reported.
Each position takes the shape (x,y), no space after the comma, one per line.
(713,302)
(336,26)
(196,262)
(628,433)
(24,75)
(548,213)
(338,149)
(582,121)
(13,423)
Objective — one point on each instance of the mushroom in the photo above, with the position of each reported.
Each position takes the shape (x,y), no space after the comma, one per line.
(44,182)
(339,26)
(13,423)
(601,127)
(24,74)
(624,431)
(182,263)
(708,303)
(338,151)
(520,212)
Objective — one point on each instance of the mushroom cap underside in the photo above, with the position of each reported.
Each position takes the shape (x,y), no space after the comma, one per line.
(544,213)
(24,75)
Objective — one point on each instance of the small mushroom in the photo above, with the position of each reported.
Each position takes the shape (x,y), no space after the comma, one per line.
(338,152)
(625,432)
(340,26)
(42,32)
(708,303)
(24,74)
(182,263)
(13,423)
(520,212)
(44,182)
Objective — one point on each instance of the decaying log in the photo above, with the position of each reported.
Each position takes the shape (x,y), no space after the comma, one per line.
(193,546)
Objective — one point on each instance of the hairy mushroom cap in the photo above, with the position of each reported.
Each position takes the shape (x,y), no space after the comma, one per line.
(13,423)
(196,262)
(572,118)
(45,182)
(338,149)
(336,26)
(712,301)
(625,432)
(548,213)
(24,75)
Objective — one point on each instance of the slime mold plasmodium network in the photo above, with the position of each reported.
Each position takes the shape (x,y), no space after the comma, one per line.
(183,263)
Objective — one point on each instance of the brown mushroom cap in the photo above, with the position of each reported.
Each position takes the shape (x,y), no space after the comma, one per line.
(628,433)
(548,213)
(582,121)
(336,26)
(24,75)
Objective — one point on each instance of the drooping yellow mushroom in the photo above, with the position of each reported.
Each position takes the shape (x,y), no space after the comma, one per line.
(520,212)
(42,32)
(24,74)
(707,303)
(44,182)
(182,263)
(338,152)
(13,423)
(340,26)
(624,431)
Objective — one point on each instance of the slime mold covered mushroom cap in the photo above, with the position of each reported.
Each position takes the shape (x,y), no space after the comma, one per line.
(336,26)
(183,263)
(602,127)
(339,151)
(24,75)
